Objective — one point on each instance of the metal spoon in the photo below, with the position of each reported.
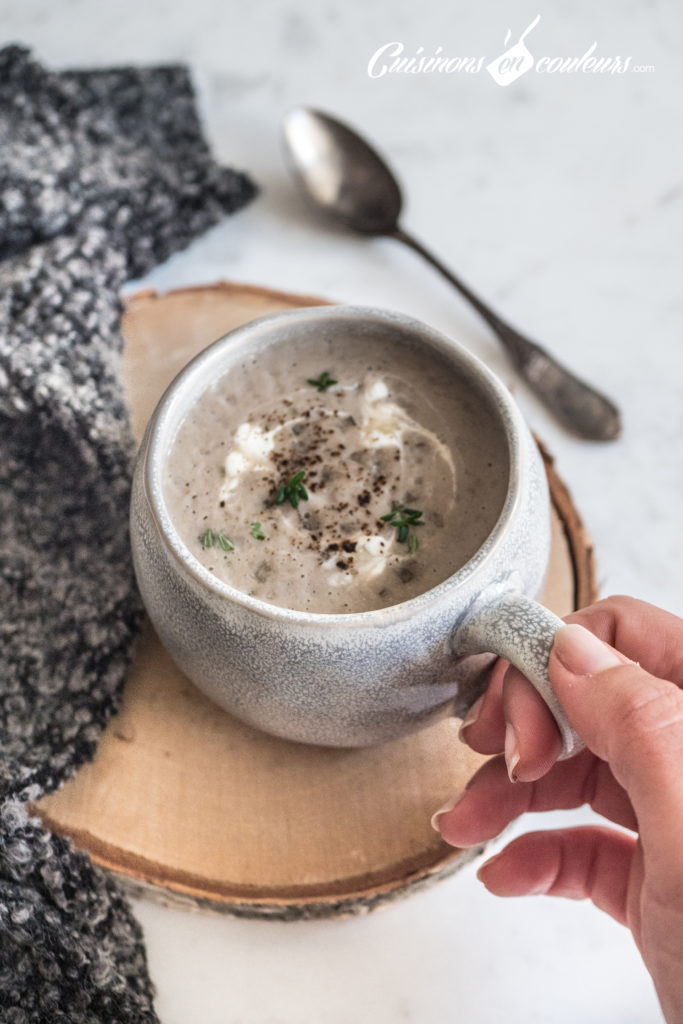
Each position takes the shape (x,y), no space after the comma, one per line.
(348,180)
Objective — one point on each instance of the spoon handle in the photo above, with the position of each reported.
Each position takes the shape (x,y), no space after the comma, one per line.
(576,404)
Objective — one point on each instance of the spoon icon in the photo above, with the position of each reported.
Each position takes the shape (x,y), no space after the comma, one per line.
(346,179)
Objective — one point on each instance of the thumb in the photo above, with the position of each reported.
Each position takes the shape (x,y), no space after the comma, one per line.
(627,717)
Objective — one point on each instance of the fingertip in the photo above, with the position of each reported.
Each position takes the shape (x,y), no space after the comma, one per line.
(446,808)
(484,872)
(488,804)
(503,875)
(470,718)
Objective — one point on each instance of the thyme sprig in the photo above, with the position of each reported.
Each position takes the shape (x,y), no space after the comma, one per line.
(404,519)
(323,382)
(211,538)
(256,532)
(293,490)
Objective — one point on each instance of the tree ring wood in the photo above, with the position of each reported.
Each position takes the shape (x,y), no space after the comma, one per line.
(188,805)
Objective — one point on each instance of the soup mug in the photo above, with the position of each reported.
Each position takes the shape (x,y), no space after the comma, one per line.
(360,678)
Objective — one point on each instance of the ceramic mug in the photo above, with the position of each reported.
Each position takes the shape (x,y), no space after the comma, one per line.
(361,678)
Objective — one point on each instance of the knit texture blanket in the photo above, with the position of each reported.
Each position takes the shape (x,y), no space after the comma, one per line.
(103,174)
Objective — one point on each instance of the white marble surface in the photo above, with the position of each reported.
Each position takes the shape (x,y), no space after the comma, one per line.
(561,199)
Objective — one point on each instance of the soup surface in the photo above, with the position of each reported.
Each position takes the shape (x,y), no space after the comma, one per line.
(337,478)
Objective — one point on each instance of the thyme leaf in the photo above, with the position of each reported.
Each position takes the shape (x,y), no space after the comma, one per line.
(405,519)
(293,490)
(211,538)
(323,382)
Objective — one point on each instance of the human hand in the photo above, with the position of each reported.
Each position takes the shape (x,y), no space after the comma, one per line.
(630,716)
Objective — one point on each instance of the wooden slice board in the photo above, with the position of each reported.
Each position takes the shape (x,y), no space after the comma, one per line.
(186,803)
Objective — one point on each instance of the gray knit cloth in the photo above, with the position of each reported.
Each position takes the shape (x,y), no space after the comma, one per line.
(103,174)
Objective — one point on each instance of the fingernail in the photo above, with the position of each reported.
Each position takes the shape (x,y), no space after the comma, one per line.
(485,865)
(581,652)
(471,716)
(448,806)
(511,751)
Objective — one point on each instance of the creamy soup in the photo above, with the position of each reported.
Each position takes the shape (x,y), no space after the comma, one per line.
(337,478)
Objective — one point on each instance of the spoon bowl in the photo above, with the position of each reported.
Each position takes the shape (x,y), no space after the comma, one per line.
(341,174)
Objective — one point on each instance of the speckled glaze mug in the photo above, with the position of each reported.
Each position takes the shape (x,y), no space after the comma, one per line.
(361,678)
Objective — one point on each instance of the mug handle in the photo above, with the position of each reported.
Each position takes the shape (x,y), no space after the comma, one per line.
(504,621)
